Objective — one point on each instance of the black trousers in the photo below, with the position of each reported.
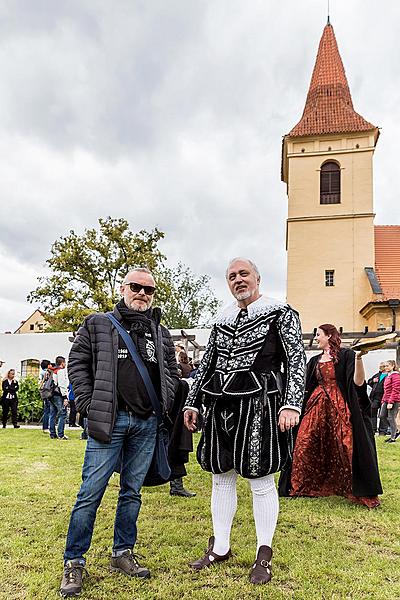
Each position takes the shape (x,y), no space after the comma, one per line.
(72,413)
(7,405)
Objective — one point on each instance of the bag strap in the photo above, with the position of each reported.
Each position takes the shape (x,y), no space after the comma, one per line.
(141,367)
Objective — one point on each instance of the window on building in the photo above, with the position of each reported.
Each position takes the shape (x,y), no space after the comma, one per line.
(330,183)
(329,278)
(31,327)
(30,366)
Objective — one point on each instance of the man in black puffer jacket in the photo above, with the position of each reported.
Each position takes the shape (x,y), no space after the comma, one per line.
(110,392)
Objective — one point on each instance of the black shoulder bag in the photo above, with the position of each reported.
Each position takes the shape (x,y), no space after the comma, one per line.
(159,471)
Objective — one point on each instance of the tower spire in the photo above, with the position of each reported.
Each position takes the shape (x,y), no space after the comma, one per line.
(329,107)
(328,21)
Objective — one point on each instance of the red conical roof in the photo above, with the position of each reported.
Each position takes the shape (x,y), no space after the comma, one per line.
(329,108)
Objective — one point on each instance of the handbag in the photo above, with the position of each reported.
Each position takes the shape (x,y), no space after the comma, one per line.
(159,471)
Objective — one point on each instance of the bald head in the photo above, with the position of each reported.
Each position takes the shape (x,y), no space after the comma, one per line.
(140,296)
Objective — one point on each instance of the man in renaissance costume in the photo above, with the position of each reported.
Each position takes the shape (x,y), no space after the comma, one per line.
(251,383)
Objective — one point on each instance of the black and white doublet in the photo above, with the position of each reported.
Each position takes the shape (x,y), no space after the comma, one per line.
(254,366)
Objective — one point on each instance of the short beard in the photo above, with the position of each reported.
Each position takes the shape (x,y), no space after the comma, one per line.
(140,308)
(243,295)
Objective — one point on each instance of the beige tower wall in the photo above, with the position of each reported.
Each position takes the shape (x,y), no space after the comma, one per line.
(337,237)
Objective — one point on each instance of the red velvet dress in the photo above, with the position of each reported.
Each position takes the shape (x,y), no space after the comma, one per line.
(322,455)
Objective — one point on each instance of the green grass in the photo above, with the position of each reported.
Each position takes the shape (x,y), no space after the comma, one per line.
(323,548)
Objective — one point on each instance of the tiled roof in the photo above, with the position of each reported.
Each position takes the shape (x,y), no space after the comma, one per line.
(387,259)
(329,107)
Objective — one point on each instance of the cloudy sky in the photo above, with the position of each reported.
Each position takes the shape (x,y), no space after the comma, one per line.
(170,113)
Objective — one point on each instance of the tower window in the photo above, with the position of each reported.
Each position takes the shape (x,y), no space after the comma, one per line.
(330,183)
(329,278)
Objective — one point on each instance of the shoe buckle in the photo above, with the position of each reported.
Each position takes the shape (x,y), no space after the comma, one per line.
(265,563)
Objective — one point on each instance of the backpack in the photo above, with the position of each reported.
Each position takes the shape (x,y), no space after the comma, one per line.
(47,387)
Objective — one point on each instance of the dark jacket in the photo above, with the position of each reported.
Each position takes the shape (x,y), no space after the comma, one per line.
(365,473)
(92,370)
(376,393)
(181,439)
(9,389)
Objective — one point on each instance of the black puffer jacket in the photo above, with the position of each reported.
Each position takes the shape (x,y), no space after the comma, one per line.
(92,370)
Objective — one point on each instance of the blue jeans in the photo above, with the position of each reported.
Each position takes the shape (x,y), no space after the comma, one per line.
(46,414)
(57,410)
(132,443)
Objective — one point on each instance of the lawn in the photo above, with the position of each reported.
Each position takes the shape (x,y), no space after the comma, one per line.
(323,548)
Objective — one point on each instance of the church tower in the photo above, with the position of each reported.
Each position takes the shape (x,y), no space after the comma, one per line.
(327,166)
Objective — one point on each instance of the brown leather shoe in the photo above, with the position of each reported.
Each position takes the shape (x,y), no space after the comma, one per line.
(261,570)
(210,557)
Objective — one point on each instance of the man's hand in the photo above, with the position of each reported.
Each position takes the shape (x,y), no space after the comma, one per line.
(389,406)
(65,402)
(288,418)
(190,420)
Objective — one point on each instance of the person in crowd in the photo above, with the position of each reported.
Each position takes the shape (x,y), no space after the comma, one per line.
(252,378)
(334,451)
(179,348)
(83,422)
(110,392)
(72,408)
(184,365)
(391,398)
(196,364)
(45,372)
(10,398)
(181,444)
(59,400)
(376,384)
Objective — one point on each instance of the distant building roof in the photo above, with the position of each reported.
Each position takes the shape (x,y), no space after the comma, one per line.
(387,259)
(37,314)
(329,107)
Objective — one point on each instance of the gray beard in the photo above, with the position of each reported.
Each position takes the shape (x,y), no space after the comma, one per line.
(243,295)
(139,309)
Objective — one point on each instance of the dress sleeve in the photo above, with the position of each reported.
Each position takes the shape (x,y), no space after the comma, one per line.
(289,330)
(194,396)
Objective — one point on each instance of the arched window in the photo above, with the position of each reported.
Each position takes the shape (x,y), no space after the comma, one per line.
(330,183)
(30,366)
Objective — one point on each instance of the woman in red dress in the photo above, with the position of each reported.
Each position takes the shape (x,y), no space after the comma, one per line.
(334,451)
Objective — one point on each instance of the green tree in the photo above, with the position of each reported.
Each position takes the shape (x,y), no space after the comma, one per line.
(186,299)
(30,404)
(86,272)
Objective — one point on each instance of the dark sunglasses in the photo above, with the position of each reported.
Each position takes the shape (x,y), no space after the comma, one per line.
(136,287)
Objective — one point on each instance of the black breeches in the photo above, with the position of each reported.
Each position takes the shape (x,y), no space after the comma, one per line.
(7,406)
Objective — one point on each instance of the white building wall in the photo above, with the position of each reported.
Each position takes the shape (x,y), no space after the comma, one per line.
(14,348)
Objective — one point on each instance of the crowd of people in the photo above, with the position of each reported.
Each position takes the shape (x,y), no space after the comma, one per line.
(260,409)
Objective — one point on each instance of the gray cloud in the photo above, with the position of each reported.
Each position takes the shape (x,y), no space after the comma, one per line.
(172,114)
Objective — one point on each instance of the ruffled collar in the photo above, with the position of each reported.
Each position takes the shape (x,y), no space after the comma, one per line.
(263,305)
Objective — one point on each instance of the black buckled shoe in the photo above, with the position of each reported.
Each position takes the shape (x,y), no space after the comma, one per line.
(261,571)
(210,557)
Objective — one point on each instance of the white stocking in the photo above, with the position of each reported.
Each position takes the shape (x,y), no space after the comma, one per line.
(265,508)
(223,509)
